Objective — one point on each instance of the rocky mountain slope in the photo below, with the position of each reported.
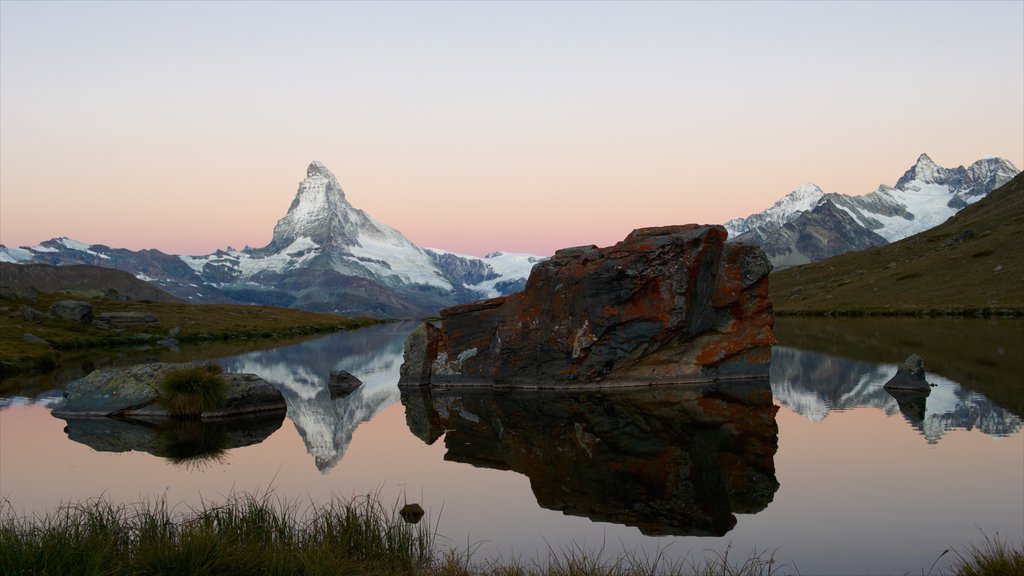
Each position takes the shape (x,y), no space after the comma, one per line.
(971,264)
(325,255)
(77,279)
(808,225)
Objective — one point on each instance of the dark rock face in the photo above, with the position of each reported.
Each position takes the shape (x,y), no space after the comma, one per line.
(72,310)
(132,391)
(678,460)
(909,376)
(341,384)
(664,305)
(817,234)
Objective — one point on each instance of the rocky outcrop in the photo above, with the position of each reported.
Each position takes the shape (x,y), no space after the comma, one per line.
(132,391)
(909,376)
(121,320)
(72,310)
(666,304)
(681,460)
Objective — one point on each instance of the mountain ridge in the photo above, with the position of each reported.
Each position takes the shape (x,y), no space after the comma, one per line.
(924,196)
(325,255)
(970,264)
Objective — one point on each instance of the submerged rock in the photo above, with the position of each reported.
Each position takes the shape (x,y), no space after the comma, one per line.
(666,304)
(909,376)
(132,391)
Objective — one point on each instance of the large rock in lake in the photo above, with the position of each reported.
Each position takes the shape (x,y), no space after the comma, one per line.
(132,391)
(670,304)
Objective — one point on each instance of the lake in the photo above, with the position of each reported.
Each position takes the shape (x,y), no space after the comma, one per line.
(818,464)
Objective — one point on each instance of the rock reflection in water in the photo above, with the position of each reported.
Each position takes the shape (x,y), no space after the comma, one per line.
(812,384)
(678,460)
(188,442)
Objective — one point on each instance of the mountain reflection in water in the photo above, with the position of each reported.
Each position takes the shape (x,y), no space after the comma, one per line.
(812,384)
(675,460)
(301,372)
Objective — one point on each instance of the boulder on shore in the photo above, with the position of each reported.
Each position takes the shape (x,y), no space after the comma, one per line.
(670,304)
(73,310)
(909,376)
(133,391)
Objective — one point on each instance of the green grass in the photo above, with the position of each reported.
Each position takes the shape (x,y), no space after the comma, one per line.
(190,323)
(261,534)
(188,392)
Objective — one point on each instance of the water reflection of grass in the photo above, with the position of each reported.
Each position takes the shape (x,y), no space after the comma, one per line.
(262,534)
(193,443)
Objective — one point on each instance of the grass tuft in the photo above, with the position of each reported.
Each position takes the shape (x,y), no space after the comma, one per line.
(990,557)
(188,392)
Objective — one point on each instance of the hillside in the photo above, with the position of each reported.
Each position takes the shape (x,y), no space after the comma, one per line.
(971,264)
(80,279)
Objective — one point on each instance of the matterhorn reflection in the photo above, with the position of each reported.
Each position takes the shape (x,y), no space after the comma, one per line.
(812,384)
(301,372)
(678,460)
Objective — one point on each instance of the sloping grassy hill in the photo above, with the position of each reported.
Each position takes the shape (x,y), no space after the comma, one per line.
(80,280)
(971,264)
(185,322)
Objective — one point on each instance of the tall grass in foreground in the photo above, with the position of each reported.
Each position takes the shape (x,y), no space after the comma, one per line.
(247,534)
(990,557)
(261,534)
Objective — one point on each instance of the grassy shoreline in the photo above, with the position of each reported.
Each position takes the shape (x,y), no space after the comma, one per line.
(185,323)
(262,534)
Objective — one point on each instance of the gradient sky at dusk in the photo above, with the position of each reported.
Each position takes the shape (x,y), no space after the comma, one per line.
(480,126)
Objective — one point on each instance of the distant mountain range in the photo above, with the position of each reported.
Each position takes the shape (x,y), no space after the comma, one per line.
(808,225)
(325,256)
(970,264)
(328,256)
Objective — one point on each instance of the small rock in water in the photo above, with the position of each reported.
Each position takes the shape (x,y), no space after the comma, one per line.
(909,376)
(341,384)
(411,513)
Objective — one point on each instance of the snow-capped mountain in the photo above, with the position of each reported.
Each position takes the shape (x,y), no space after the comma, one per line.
(325,255)
(808,225)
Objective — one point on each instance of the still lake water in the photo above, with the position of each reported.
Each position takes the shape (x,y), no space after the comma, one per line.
(820,464)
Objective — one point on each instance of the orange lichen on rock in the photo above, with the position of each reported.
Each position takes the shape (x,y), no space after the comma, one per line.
(666,304)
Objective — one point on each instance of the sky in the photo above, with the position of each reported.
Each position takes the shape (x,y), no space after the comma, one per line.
(482,126)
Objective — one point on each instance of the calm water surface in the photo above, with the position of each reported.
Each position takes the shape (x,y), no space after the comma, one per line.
(819,464)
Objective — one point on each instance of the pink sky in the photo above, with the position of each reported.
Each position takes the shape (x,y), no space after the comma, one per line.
(478,127)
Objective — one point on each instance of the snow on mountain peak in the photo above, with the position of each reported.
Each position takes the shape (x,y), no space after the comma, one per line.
(316,168)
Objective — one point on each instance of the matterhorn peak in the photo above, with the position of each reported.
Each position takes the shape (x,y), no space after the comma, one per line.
(319,212)
(317,168)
